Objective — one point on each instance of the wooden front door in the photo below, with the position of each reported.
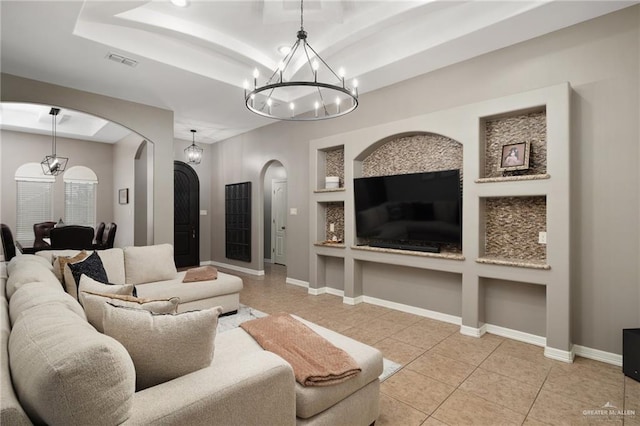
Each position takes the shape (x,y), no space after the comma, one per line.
(186,215)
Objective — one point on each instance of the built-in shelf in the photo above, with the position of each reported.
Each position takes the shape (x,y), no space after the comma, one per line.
(531,264)
(328,244)
(513,178)
(319,191)
(450,256)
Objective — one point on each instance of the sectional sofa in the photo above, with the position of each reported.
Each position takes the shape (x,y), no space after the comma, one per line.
(56,368)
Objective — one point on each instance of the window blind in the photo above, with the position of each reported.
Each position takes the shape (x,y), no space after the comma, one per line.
(34,205)
(80,203)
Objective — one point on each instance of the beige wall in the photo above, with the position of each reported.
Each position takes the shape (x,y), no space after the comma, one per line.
(153,124)
(600,59)
(18,148)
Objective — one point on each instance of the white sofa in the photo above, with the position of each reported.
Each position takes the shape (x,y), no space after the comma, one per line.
(152,270)
(55,368)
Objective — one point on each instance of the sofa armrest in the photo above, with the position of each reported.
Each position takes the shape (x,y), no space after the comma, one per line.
(254,389)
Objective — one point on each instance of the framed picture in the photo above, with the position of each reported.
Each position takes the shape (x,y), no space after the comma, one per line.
(123,196)
(515,156)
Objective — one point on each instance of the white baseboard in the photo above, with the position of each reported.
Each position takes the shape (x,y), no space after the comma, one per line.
(258,273)
(472,331)
(598,355)
(352,300)
(299,283)
(559,355)
(317,291)
(452,319)
(520,336)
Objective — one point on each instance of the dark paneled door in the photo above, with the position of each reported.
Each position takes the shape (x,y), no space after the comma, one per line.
(186,215)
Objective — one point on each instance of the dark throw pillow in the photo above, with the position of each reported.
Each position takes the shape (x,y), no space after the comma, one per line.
(91,267)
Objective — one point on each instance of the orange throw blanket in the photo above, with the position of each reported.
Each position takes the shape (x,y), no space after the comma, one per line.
(315,361)
(202,273)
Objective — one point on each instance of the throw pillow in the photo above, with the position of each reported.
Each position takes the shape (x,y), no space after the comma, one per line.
(59,262)
(94,304)
(92,286)
(163,347)
(201,273)
(91,267)
(149,264)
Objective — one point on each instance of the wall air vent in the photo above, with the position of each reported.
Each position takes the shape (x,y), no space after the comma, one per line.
(121,59)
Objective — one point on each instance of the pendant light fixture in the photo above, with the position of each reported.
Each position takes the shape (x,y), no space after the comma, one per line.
(319,91)
(193,152)
(53,164)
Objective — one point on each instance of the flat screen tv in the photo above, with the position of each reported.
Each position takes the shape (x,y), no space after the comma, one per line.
(419,209)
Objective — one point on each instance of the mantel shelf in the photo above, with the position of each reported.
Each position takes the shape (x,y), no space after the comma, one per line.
(513,178)
(320,191)
(328,244)
(531,264)
(450,256)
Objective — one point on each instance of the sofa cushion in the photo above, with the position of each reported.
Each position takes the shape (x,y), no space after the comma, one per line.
(26,258)
(189,292)
(149,263)
(180,343)
(65,372)
(38,293)
(94,305)
(91,267)
(29,273)
(11,412)
(59,262)
(90,285)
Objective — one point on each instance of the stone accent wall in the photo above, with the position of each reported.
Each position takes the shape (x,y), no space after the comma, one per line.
(512,226)
(335,215)
(530,127)
(414,154)
(335,164)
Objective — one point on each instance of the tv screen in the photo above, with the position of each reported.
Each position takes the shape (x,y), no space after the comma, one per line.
(417,209)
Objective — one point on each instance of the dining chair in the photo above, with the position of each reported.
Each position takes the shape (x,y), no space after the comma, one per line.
(99,233)
(8,245)
(108,237)
(72,237)
(41,231)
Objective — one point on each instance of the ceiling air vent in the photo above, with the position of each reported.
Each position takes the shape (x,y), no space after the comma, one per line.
(122,59)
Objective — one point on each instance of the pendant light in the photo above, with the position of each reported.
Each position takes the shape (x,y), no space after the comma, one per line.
(193,152)
(53,164)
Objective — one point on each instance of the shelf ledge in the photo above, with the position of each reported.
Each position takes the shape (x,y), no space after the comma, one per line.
(513,178)
(320,191)
(328,244)
(531,264)
(450,256)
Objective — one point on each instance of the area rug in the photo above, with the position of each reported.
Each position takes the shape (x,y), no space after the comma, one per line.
(246,313)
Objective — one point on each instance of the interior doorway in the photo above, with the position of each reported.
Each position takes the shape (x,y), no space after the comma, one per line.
(275,214)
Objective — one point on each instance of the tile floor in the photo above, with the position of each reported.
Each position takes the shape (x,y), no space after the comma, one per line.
(451,379)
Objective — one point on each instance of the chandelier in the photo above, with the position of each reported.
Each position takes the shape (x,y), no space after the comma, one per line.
(302,76)
(193,152)
(53,164)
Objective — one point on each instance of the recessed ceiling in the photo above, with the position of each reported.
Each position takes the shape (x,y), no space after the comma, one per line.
(193,60)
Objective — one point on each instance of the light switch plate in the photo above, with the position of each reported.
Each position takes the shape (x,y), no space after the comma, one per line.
(542,237)
(203,212)
(293,211)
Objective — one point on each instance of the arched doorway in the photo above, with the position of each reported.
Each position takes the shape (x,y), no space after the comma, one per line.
(186,216)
